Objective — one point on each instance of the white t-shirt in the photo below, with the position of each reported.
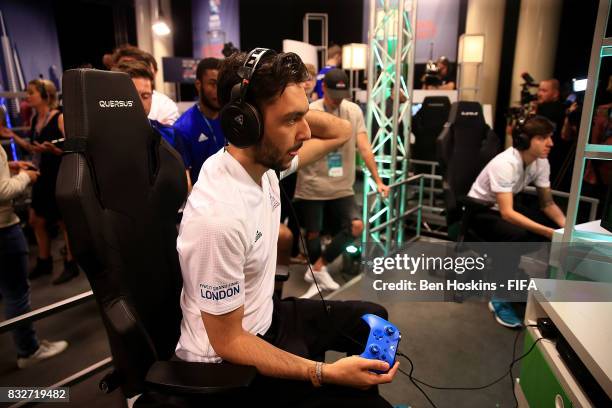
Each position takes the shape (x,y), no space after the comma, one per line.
(227,250)
(506,174)
(163,109)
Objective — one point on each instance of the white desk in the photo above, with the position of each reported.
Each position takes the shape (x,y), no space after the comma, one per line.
(587,327)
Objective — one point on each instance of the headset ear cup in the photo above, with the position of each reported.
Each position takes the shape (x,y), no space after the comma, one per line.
(520,140)
(42,89)
(254,122)
(241,124)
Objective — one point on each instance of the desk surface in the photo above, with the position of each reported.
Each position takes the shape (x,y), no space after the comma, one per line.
(587,326)
(589,231)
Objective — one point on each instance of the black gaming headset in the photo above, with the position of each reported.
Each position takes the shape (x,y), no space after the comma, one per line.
(241,122)
(42,89)
(520,139)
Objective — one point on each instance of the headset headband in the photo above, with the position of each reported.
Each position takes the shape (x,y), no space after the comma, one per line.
(246,71)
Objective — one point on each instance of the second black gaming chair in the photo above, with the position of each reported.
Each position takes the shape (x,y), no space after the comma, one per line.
(464,148)
(119,188)
(427,125)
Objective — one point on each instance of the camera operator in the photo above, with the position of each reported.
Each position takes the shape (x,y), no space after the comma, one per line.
(437,75)
(445,74)
(549,105)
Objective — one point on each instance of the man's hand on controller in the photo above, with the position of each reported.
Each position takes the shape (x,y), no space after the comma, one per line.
(357,372)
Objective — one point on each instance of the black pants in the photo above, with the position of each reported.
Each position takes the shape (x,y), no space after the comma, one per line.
(302,327)
(338,215)
(490,226)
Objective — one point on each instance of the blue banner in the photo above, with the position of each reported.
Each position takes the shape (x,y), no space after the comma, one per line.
(215,22)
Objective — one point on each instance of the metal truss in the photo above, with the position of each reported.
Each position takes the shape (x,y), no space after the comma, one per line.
(392,41)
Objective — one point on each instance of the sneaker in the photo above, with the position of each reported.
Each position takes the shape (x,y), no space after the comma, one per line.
(43,267)
(46,349)
(324,279)
(312,290)
(71,270)
(504,313)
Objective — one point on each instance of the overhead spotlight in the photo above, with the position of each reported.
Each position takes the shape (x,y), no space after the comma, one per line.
(160,26)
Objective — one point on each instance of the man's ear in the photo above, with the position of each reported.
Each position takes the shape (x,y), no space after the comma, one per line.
(198,85)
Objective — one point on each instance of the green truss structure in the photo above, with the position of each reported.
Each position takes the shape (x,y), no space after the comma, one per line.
(392,41)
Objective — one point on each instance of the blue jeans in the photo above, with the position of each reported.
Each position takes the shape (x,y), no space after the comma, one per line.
(15,287)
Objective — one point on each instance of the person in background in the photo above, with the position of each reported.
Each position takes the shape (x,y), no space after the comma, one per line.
(448,81)
(506,175)
(561,158)
(163,109)
(200,124)
(325,188)
(142,77)
(47,135)
(310,83)
(14,286)
(334,60)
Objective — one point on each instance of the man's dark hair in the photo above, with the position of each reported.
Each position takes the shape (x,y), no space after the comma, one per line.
(274,72)
(135,69)
(538,125)
(206,64)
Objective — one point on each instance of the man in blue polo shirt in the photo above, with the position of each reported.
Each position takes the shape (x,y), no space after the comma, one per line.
(199,125)
(334,60)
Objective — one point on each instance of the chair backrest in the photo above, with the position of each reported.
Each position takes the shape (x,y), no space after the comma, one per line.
(119,189)
(427,125)
(464,147)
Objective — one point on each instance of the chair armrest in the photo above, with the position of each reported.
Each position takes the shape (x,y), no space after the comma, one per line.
(183,377)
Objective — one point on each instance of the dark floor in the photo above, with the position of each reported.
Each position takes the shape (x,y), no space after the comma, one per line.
(450,344)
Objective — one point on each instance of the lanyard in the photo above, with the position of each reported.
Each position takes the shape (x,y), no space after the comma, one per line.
(212,130)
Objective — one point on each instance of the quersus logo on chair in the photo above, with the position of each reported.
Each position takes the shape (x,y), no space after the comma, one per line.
(116,104)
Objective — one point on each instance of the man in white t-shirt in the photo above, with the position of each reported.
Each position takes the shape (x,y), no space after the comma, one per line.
(507,175)
(227,249)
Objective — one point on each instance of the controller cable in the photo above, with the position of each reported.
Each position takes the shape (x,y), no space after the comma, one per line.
(327,308)
(415,381)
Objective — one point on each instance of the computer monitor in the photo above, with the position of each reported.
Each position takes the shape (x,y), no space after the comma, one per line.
(606,217)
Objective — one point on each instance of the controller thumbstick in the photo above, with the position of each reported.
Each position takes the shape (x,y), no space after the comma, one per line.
(374,349)
(389,331)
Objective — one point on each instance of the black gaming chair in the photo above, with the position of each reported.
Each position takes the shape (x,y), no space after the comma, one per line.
(119,188)
(464,147)
(427,125)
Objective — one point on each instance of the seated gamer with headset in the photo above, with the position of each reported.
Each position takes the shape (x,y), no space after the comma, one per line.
(507,175)
(227,248)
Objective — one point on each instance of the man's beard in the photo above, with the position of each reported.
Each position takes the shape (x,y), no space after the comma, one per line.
(270,156)
(208,103)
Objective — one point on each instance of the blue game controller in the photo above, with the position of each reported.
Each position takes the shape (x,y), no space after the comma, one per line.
(383,340)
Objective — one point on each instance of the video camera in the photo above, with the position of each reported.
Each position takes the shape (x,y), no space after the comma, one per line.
(524,111)
(526,96)
(432,74)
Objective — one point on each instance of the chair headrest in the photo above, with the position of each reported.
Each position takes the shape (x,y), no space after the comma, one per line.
(466,114)
(105,118)
(436,102)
